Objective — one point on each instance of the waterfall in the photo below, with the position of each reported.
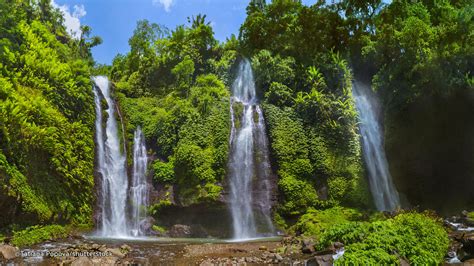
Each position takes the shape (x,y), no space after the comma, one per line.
(381,185)
(111,165)
(264,170)
(139,189)
(249,161)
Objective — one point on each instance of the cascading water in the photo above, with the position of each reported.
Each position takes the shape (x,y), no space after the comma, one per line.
(249,161)
(111,165)
(264,171)
(383,190)
(139,189)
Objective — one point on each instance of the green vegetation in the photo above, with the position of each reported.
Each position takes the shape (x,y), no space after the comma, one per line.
(417,55)
(46,117)
(316,222)
(417,237)
(470,215)
(37,234)
(185,112)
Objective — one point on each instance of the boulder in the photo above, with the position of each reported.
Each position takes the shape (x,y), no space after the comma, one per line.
(146,225)
(337,245)
(126,248)
(307,246)
(468,262)
(180,231)
(278,257)
(8,252)
(468,243)
(324,260)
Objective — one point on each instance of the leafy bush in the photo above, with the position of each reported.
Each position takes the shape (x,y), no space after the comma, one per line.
(298,195)
(279,95)
(37,234)
(315,222)
(272,68)
(418,237)
(164,171)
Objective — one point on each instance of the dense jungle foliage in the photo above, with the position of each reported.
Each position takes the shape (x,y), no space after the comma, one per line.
(417,55)
(46,117)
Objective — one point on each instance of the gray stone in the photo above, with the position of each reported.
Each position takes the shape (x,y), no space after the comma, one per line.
(278,257)
(180,231)
(337,245)
(307,246)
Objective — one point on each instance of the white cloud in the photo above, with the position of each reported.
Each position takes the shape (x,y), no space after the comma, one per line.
(79,11)
(165,3)
(72,21)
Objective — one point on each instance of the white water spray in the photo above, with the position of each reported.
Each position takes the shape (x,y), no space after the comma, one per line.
(383,190)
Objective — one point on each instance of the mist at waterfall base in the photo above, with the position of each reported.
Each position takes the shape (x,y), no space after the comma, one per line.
(249,165)
(383,190)
(116,196)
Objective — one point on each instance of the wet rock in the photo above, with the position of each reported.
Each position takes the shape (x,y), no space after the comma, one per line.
(180,231)
(307,246)
(463,255)
(468,243)
(451,254)
(265,255)
(82,261)
(116,252)
(468,262)
(328,251)
(8,252)
(278,257)
(126,248)
(323,260)
(337,245)
(146,225)
(264,248)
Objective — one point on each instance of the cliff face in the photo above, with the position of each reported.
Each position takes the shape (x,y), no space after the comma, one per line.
(430,148)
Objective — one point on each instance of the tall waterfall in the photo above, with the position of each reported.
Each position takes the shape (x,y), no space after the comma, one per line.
(111,165)
(249,161)
(139,189)
(381,185)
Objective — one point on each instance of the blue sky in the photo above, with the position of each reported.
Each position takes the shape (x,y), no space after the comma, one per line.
(115,20)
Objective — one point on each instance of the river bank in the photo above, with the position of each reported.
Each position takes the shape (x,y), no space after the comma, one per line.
(78,249)
(93,252)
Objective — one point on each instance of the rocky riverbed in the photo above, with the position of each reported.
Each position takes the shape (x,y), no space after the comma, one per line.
(94,252)
(77,250)
(461,234)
